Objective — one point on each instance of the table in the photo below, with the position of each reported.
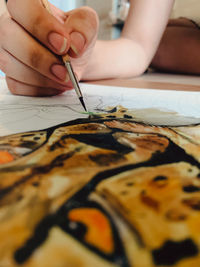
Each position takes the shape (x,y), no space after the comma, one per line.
(157,81)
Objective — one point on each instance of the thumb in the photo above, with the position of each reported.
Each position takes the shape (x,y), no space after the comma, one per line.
(82,27)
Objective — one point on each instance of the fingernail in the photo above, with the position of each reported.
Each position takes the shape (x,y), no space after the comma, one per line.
(60,72)
(58,42)
(77,42)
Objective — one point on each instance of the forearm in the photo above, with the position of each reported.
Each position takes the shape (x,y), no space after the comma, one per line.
(115,59)
(131,54)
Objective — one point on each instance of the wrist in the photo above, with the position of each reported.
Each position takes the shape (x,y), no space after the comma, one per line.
(120,58)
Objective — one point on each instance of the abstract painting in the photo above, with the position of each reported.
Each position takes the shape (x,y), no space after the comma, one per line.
(107,190)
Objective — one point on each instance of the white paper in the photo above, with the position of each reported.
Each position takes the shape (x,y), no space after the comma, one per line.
(20,114)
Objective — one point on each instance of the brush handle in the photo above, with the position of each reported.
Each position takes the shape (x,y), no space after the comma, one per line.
(66,60)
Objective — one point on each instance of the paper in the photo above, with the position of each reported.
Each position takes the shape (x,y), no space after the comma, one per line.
(19,114)
(115,192)
(111,189)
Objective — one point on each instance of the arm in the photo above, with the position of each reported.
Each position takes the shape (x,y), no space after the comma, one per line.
(132,53)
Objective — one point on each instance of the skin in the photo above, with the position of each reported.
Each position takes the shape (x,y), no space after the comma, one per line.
(132,53)
(30,46)
(31,62)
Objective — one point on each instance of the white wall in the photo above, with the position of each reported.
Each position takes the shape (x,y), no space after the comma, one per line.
(103,8)
(67,4)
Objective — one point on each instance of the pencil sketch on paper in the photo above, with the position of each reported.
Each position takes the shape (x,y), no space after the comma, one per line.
(107,190)
(24,114)
(18,114)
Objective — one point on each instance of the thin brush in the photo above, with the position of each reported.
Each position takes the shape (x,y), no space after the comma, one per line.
(66,60)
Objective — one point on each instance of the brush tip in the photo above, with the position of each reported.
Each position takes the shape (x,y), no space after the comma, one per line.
(82,102)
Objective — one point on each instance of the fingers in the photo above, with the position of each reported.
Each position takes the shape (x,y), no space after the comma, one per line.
(30,68)
(19,88)
(32,40)
(77,30)
(22,46)
(40,23)
(18,71)
(82,26)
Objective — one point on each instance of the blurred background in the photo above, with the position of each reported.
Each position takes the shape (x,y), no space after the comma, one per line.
(112,14)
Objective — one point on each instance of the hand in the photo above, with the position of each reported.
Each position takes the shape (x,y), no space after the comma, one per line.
(31,40)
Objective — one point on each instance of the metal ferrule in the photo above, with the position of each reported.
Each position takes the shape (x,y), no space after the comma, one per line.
(73,78)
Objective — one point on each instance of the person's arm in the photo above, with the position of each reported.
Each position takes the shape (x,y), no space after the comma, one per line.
(132,53)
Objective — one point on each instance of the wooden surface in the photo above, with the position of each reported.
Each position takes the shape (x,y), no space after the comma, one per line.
(157,81)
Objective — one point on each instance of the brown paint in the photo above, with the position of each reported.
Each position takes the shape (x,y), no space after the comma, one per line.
(35,58)
(149,201)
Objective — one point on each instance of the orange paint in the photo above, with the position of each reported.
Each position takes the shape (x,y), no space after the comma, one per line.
(99,231)
(5,157)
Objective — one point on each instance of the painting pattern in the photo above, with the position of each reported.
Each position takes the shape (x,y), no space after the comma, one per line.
(102,191)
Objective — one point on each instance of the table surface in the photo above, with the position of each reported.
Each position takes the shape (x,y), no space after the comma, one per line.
(157,81)
(152,80)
